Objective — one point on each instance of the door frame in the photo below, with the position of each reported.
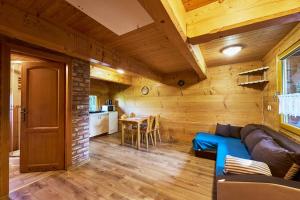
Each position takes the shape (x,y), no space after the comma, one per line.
(6,48)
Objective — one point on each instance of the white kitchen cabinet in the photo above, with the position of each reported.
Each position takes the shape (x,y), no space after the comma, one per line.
(113,122)
(99,124)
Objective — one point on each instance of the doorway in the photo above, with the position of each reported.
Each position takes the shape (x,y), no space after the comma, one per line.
(37,118)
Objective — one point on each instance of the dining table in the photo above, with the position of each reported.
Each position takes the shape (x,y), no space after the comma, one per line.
(138,120)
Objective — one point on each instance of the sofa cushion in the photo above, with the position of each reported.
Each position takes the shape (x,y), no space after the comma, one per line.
(246,130)
(279,159)
(236,165)
(235,131)
(282,139)
(254,137)
(223,130)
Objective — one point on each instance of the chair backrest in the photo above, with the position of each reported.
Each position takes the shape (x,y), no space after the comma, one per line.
(156,125)
(132,115)
(124,116)
(150,122)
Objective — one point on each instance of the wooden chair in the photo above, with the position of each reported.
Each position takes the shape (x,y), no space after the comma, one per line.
(124,116)
(132,115)
(148,132)
(156,131)
(129,130)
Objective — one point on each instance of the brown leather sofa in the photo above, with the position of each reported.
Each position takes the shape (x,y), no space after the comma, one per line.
(260,187)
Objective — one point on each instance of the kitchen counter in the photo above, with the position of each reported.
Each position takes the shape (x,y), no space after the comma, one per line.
(93,112)
(103,122)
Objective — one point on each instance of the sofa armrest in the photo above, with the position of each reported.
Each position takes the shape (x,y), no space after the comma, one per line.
(258,187)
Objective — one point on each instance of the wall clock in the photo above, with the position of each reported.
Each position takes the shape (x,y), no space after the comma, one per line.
(145,90)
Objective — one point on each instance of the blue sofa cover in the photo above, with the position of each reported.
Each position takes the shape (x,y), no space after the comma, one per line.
(223,145)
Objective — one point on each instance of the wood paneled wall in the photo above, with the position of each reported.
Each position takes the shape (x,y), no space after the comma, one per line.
(105,90)
(272,118)
(198,106)
(101,90)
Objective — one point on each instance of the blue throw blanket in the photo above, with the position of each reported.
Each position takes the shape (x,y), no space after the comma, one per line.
(223,145)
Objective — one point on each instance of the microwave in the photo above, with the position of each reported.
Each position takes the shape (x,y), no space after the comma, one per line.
(108,108)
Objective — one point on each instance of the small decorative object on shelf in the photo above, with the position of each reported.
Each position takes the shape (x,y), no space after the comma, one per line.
(256,76)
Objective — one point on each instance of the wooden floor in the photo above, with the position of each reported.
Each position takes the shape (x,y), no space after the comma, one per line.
(19,180)
(169,171)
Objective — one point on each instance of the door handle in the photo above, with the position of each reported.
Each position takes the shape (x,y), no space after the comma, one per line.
(23,113)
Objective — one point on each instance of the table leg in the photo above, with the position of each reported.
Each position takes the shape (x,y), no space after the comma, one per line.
(138,136)
(122,134)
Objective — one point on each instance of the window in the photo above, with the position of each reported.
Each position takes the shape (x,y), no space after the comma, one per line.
(93,103)
(289,68)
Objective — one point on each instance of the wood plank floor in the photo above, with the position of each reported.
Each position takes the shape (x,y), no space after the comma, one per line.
(169,171)
(19,180)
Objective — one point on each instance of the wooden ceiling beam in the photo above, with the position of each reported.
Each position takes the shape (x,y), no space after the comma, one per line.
(169,17)
(194,4)
(107,74)
(30,28)
(220,19)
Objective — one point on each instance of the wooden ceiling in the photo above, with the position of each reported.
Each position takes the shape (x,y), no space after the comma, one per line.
(256,44)
(147,44)
(63,14)
(153,48)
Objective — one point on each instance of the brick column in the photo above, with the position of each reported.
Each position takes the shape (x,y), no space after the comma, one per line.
(80,111)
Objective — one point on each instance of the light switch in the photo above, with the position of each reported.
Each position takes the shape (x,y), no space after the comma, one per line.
(269,108)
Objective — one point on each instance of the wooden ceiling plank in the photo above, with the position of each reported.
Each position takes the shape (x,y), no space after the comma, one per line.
(252,50)
(234,16)
(193,4)
(30,28)
(169,16)
(105,73)
(151,45)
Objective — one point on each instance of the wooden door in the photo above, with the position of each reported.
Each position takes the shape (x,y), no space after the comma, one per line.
(42,117)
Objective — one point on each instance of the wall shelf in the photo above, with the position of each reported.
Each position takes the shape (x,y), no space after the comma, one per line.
(253,82)
(261,69)
(253,77)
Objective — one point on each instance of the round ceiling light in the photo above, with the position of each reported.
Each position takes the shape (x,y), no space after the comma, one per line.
(232,50)
(120,71)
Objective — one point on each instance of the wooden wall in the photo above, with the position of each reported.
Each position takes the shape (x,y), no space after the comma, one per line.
(105,90)
(199,105)
(271,118)
(101,90)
